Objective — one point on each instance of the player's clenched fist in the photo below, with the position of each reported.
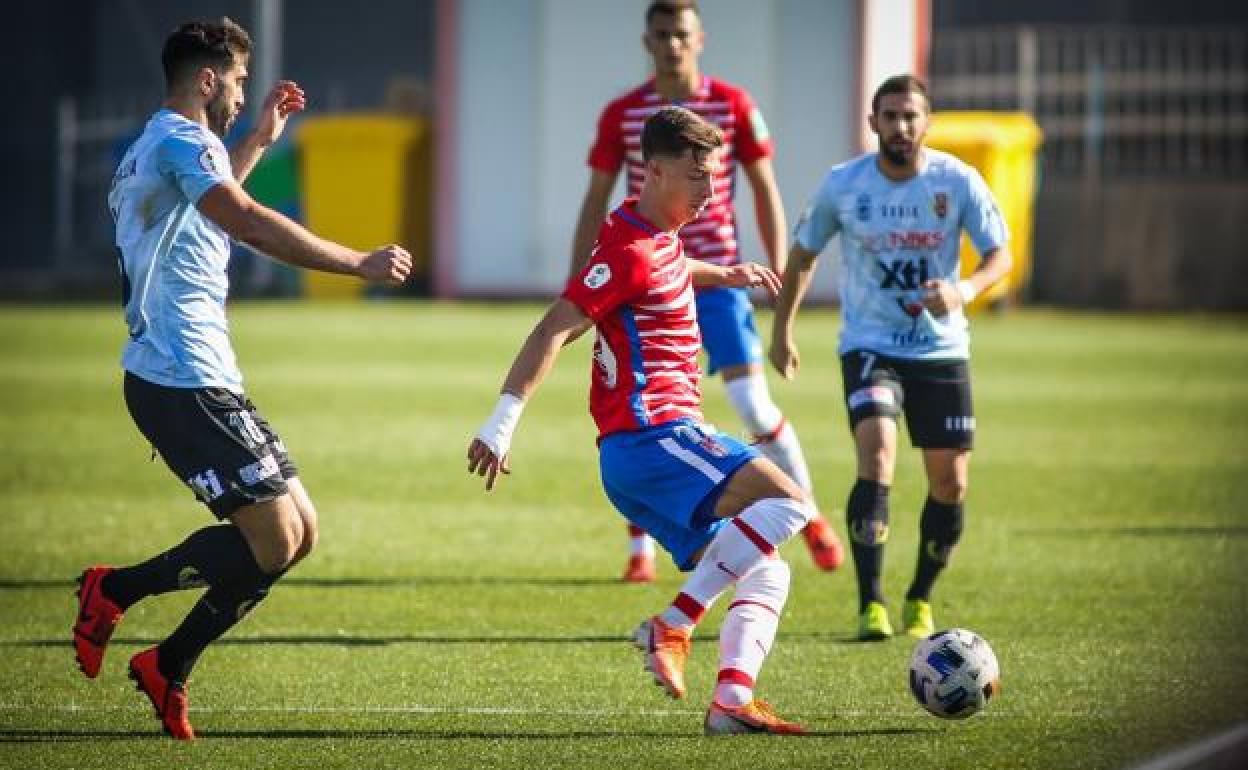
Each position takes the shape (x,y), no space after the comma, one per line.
(389,265)
(783,355)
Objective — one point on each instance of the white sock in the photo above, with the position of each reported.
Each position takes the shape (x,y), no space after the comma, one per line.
(749,630)
(748,538)
(750,397)
(776,438)
(786,451)
(639,543)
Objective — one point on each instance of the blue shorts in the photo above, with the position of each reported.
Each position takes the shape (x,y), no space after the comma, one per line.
(667,480)
(726,319)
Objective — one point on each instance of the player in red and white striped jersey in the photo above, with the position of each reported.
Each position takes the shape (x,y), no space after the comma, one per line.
(640,292)
(714,503)
(674,39)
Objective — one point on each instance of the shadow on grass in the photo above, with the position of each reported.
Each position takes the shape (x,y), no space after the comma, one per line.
(348,640)
(1165,531)
(72,736)
(371,582)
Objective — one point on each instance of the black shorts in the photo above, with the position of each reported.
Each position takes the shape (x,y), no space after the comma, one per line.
(934,395)
(214,440)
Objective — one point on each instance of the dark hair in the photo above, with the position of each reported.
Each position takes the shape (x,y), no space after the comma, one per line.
(672,130)
(198,44)
(900,84)
(670,8)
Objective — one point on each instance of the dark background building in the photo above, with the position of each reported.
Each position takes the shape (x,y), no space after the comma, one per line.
(1144,106)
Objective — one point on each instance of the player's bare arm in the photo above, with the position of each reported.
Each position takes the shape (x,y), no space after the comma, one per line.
(230,207)
(797,276)
(768,211)
(284,100)
(746,275)
(942,297)
(489,451)
(593,211)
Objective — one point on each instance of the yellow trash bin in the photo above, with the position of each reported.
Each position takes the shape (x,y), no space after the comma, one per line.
(365,184)
(1002,146)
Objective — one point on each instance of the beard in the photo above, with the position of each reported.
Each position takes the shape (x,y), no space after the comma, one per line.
(220,116)
(893,156)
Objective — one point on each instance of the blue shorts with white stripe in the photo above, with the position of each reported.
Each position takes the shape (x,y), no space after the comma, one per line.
(667,480)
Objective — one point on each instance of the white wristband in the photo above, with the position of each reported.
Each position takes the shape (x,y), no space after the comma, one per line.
(967,290)
(497,431)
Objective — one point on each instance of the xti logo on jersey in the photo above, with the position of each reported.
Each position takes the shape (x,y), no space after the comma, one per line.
(895,236)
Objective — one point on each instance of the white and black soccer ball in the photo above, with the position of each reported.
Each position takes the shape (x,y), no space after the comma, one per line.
(954,673)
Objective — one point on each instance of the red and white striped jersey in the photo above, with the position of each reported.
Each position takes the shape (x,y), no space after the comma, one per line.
(712,237)
(638,290)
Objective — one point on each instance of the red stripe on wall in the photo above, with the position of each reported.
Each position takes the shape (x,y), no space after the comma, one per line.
(922,37)
(857,117)
(446,151)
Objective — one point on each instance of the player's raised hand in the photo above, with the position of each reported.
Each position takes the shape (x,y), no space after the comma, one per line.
(483,462)
(389,265)
(285,99)
(784,356)
(747,275)
(940,297)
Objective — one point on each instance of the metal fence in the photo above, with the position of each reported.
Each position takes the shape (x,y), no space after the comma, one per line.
(91,135)
(1114,101)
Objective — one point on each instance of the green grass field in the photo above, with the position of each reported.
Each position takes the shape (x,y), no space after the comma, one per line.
(440,626)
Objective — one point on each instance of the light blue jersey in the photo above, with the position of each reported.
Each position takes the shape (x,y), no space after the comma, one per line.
(895,236)
(173,259)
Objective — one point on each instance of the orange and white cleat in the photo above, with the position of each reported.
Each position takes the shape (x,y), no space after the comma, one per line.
(640,569)
(757,716)
(168,698)
(666,651)
(825,547)
(98,617)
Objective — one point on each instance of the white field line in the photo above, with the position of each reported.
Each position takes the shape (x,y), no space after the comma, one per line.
(1194,753)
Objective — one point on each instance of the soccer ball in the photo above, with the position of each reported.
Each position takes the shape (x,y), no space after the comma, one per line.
(954,673)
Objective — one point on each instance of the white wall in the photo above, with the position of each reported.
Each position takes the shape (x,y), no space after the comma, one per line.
(533,75)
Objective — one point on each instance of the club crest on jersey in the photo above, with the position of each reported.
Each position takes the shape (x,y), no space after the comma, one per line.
(864,208)
(940,204)
(604,361)
(598,275)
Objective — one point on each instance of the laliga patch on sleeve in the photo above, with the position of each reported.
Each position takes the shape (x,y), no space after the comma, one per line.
(598,275)
(208,162)
(759,125)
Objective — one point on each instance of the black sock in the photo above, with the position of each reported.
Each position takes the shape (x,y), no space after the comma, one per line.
(209,556)
(216,612)
(867,518)
(940,528)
